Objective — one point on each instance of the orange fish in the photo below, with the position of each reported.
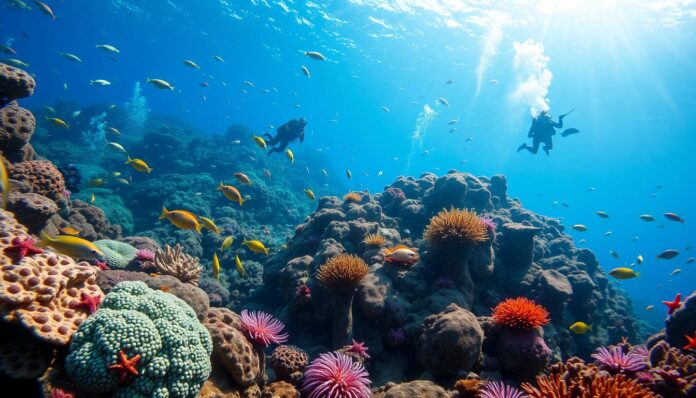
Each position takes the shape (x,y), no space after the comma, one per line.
(401,254)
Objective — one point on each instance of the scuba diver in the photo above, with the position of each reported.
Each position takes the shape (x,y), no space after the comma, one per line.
(286,134)
(542,129)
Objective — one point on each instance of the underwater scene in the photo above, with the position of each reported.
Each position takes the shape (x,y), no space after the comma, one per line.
(348,199)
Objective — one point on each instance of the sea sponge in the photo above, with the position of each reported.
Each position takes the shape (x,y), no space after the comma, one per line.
(41,176)
(161,330)
(16,127)
(289,363)
(455,227)
(342,273)
(354,197)
(117,254)
(231,347)
(280,389)
(375,240)
(42,291)
(520,313)
(14,84)
(173,261)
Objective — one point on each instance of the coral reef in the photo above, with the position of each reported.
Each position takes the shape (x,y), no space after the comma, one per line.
(289,363)
(116,254)
(41,176)
(173,261)
(140,342)
(16,128)
(14,84)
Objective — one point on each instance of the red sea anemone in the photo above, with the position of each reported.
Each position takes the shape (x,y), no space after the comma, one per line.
(334,375)
(263,328)
(360,349)
(520,313)
(145,255)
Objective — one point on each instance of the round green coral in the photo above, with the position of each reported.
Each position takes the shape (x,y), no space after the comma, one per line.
(117,254)
(174,347)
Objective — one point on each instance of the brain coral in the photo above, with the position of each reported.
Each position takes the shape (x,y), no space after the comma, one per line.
(14,83)
(16,127)
(42,291)
(117,254)
(161,330)
(41,175)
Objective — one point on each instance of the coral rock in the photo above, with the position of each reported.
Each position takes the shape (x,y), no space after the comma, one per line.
(231,347)
(523,352)
(451,341)
(14,84)
(280,389)
(31,209)
(16,128)
(416,388)
(41,291)
(22,356)
(517,249)
(219,385)
(41,175)
(289,363)
(682,322)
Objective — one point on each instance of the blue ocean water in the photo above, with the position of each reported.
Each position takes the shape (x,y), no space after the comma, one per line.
(626,67)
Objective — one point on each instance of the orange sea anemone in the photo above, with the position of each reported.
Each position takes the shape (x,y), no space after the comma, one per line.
(342,273)
(375,240)
(520,313)
(352,197)
(455,227)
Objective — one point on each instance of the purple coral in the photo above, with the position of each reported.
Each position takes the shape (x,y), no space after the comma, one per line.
(145,255)
(263,328)
(498,389)
(489,223)
(614,360)
(396,336)
(334,375)
(360,349)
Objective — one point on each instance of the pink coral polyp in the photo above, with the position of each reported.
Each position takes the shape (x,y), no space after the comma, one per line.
(334,375)
(263,328)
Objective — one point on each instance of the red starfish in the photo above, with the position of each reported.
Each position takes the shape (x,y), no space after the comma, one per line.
(103,265)
(125,365)
(21,248)
(90,302)
(673,305)
(692,342)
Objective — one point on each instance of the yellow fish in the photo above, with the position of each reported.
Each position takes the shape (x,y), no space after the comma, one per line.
(139,165)
(92,198)
(623,273)
(71,246)
(309,193)
(639,259)
(255,246)
(192,64)
(4,181)
(260,142)
(116,174)
(227,243)
(58,122)
(580,328)
(231,193)
(242,178)
(209,225)
(182,219)
(240,266)
(349,174)
(95,182)
(159,83)
(290,155)
(216,266)
(70,231)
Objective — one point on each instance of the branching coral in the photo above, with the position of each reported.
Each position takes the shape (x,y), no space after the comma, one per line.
(596,386)
(672,373)
(520,313)
(375,240)
(342,273)
(455,227)
(173,261)
(352,197)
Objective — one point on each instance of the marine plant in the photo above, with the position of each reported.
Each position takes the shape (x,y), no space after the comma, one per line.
(173,261)
(263,328)
(496,389)
(375,240)
(341,275)
(614,360)
(520,313)
(455,227)
(334,375)
(141,342)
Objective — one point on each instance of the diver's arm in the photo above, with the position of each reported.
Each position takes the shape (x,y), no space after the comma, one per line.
(558,125)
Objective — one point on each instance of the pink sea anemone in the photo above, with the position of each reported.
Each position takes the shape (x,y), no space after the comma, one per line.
(614,360)
(263,328)
(145,255)
(489,223)
(360,349)
(498,389)
(396,336)
(334,375)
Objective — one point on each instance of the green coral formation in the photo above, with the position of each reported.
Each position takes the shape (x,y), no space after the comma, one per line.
(117,254)
(174,347)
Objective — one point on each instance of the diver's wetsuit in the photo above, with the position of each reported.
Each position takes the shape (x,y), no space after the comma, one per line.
(286,133)
(542,129)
